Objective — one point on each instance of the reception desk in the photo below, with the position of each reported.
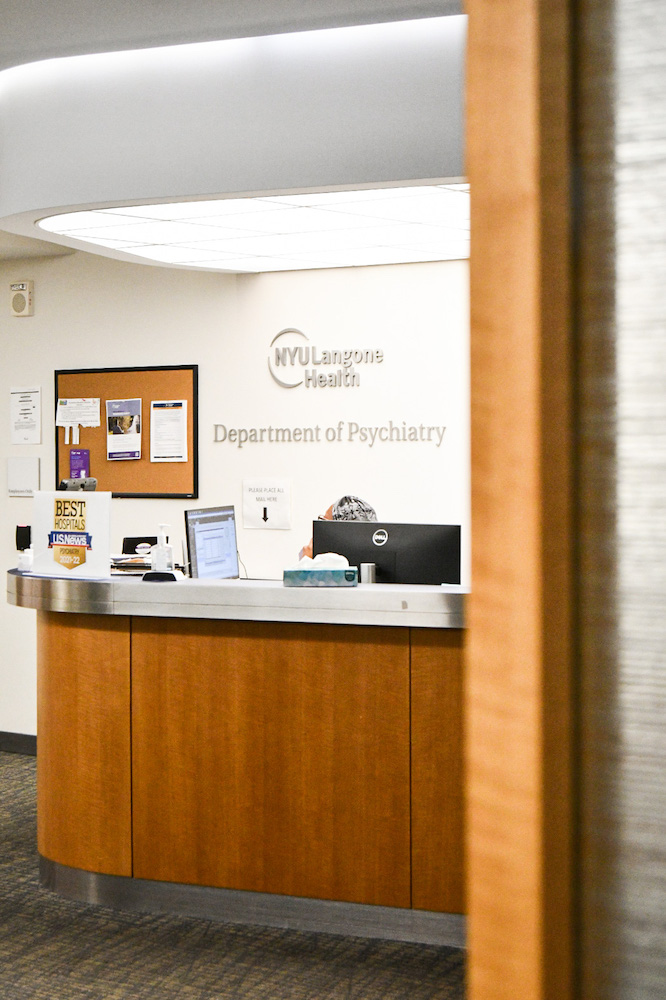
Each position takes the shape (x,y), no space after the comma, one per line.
(298,752)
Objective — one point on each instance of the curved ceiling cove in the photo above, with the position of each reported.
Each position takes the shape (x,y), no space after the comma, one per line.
(368,106)
(33,29)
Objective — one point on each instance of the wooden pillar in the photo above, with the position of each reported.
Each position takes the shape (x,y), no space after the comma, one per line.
(518,720)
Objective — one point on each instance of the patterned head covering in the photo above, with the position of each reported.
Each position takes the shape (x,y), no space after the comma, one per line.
(352,509)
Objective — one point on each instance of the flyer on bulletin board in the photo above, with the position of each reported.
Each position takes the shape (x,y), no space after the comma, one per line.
(168,430)
(79,463)
(123,429)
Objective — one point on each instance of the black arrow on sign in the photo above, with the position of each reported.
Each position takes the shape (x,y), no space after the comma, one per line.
(265,516)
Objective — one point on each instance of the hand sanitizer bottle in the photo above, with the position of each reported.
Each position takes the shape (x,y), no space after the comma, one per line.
(161,555)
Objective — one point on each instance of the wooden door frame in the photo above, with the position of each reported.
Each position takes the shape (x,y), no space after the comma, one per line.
(518,687)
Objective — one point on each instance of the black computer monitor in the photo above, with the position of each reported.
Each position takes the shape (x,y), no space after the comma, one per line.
(211,543)
(402,553)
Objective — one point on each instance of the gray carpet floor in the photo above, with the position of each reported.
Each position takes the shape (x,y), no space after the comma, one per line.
(54,949)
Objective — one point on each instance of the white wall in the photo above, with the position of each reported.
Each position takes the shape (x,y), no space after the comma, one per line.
(95,312)
(418,315)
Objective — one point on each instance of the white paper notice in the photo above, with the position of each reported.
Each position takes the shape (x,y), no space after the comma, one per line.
(168,430)
(71,412)
(123,429)
(267,504)
(26,415)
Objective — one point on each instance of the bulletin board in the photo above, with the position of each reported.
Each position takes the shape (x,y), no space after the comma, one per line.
(138,478)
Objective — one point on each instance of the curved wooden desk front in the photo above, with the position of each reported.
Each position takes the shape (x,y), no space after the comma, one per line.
(310,758)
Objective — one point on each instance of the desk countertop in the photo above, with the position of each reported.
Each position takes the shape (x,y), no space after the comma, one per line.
(243,600)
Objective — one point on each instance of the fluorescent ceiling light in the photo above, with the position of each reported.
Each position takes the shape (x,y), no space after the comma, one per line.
(282,232)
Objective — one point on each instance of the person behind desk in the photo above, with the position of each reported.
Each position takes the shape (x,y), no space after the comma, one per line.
(347,508)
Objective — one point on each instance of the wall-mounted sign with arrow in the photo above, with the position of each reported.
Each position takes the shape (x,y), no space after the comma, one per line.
(267,504)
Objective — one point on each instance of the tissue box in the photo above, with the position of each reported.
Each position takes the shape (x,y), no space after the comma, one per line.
(346,577)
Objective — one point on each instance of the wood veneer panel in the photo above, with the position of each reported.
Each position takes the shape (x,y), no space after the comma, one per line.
(437,770)
(519,645)
(83,755)
(273,757)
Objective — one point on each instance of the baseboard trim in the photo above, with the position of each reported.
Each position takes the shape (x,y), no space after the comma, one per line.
(18,743)
(258,908)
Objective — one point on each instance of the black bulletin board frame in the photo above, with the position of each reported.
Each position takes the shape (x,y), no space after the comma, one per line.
(133,479)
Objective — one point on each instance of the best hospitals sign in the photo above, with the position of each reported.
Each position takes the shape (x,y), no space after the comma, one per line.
(71,534)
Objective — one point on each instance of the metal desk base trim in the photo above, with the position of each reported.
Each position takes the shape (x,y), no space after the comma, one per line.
(261,909)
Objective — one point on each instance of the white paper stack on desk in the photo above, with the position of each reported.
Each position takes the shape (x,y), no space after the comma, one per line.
(130,564)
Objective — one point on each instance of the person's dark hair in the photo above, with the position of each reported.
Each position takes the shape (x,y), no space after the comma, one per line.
(352,509)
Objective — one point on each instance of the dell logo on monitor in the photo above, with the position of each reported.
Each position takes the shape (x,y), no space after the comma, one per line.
(380,536)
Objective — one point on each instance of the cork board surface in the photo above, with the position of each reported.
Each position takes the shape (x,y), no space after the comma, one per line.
(133,477)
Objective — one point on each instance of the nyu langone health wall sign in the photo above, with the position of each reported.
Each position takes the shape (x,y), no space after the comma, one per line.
(293,361)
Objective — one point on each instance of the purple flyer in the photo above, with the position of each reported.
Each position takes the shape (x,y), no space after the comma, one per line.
(79,463)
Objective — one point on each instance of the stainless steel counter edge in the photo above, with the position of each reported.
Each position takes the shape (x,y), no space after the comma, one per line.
(243,600)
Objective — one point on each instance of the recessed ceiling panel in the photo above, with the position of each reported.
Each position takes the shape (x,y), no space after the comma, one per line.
(335,229)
